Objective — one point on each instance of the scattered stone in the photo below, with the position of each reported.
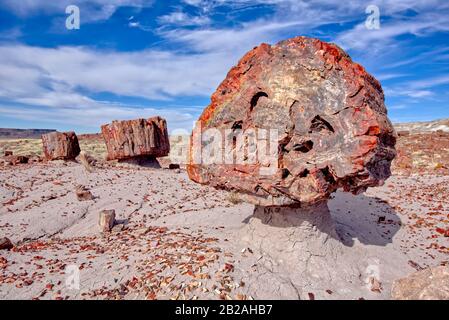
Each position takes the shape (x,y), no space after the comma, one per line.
(427,284)
(375,285)
(60,146)
(136,138)
(15,160)
(87,161)
(83,194)
(173,166)
(403,133)
(381,219)
(329,115)
(106,220)
(5,244)
(35,159)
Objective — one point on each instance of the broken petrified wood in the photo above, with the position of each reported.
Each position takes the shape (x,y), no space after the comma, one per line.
(322,116)
(173,166)
(60,145)
(136,138)
(5,244)
(15,160)
(83,194)
(106,220)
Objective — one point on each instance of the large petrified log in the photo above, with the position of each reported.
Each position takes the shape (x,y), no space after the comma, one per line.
(136,138)
(327,114)
(60,145)
(289,125)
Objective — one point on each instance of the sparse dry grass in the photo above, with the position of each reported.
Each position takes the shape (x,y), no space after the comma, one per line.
(234,198)
(24,147)
(94,147)
(21,147)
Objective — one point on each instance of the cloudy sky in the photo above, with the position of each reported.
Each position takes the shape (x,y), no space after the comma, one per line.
(137,58)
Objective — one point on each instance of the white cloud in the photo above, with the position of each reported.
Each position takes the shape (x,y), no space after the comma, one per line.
(360,38)
(29,72)
(179,18)
(53,78)
(430,82)
(90,119)
(90,10)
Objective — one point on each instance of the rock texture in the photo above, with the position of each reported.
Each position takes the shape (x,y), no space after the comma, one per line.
(428,284)
(136,138)
(332,124)
(83,194)
(106,220)
(5,244)
(14,160)
(60,146)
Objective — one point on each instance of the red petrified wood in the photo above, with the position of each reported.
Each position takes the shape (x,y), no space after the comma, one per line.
(60,145)
(136,138)
(333,130)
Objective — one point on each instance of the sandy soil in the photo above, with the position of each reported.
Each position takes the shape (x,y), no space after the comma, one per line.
(180,240)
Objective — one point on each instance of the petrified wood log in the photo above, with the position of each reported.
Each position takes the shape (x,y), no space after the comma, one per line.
(136,138)
(60,145)
(328,115)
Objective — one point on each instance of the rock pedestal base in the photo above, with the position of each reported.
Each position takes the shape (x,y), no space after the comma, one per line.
(301,248)
(300,240)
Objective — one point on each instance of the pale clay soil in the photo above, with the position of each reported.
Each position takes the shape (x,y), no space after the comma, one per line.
(181,240)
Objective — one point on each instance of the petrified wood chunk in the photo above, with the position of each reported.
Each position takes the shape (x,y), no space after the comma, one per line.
(5,244)
(83,194)
(60,145)
(106,220)
(136,138)
(15,160)
(322,115)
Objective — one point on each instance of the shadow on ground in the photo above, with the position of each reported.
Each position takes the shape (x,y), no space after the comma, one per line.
(370,220)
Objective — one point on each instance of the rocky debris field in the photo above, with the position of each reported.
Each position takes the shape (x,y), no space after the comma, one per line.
(174,239)
(422,153)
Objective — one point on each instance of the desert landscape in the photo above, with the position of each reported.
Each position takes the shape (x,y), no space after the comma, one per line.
(218,156)
(178,240)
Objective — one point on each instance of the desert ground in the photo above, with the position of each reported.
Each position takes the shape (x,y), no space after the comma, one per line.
(176,239)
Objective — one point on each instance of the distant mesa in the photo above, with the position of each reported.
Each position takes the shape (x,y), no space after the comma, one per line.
(8,133)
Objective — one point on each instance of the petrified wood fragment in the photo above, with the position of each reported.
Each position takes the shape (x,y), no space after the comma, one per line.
(106,220)
(60,145)
(330,119)
(136,138)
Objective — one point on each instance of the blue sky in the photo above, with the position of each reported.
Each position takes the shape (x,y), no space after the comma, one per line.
(136,58)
